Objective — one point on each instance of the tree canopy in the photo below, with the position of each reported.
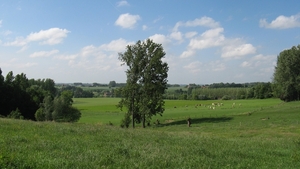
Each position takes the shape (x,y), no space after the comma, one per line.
(287,74)
(146,81)
(32,99)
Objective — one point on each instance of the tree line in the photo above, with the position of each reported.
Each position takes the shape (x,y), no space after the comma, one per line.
(198,92)
(31,99)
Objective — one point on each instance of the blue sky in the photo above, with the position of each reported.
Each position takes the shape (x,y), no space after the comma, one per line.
(205,41)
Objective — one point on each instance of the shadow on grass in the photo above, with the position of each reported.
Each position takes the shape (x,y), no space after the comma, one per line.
(199,120)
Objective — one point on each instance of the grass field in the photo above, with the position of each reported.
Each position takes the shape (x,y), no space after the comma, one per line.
(257,134)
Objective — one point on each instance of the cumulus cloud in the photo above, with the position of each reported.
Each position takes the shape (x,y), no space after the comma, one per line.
(190,34)
(127,21)
(193,67)
(217,66)
(161,39)
(103,57)
(203,21)
(210,38)
(118,45)
(259,60)
(236,51)
(122,3)
(43,53)
(281,22)
(187,53)
(51,36)
(176,35)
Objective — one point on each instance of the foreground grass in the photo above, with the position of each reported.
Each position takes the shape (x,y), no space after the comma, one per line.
(233,140)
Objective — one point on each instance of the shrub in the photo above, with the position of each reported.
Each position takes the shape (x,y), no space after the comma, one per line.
(126,120)
(15,114)
(226,97)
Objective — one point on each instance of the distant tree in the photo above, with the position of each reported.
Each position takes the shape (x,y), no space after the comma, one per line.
(58,109)
(63,111)
(146,81)
(112,84)
(287,74)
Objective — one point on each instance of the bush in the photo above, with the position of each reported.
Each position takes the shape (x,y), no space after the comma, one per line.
(126,120)
(15,114)
(226,97)
(40,115)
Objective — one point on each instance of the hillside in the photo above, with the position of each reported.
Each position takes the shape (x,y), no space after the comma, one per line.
(241,141)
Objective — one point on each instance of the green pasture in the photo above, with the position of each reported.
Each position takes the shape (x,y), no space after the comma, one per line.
(256,134)
(104,110)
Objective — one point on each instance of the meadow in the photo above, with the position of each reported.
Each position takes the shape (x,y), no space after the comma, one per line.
(252,134)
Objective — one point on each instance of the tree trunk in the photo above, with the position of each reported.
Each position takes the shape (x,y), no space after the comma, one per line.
(133,111)
(144,121)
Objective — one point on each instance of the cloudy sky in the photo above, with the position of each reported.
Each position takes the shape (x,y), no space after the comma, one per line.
(205,41)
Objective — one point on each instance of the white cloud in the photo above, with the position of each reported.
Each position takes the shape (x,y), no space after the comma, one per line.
(127,21)
(51,36)
(158,19)
(43,53)
(160,39)
(118,45)
(176,35)
(145,27)
(20,41)
(259,60)
(26,65)
(236,51)
(282,22)
(5,33)
(245,64)
(122,3)
(190,34)
(217,66)
(203,21)
(194,67)
(187,53)
(210,38)
(0,23)
(93,58)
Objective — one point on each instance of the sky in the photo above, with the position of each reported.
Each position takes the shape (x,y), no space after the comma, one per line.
(206,42)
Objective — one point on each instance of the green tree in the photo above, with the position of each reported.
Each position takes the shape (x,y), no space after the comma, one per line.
(146,81)
(112,84)
(287,74)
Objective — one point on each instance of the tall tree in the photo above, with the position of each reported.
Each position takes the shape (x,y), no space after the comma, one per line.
(287,74)
(146,81)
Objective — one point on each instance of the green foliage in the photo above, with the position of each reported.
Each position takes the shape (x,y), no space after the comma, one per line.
(146,80)
(287,74)
(112,84)
(125,122)
(15,114)
(226,97)
(23,93)
(40,115)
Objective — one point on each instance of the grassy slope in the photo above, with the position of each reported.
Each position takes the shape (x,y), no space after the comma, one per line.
(233,140)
